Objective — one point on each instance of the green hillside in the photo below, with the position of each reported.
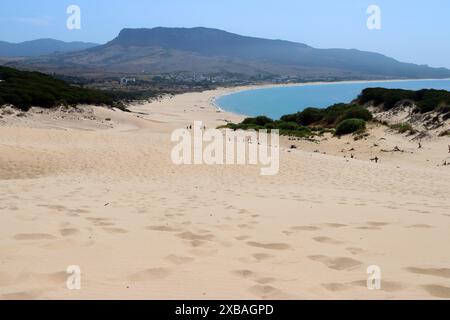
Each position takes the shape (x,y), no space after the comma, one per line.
(25,89)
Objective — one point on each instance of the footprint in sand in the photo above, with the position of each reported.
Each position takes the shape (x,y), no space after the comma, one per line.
(101,222)
(53,207)
(115,230)
(56,278)
(104,224)
(179,259)
(335,287)
(438,291)
(265,281)
(355,251)
(327,240)
(420,226)
(34,236)
(242,238)
(337,263)
(261,256)
(150,274)
(162,228)
(192,236)
(373,226)
(267,292)
(436,272)
(80,211)
(270,246)
(335,225)
(248,274)
(263,290)
(197,243)
(389,286)
(377,224)
(66,232)
(305,228)
(245,274)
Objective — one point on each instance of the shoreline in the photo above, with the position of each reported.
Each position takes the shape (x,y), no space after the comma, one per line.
(234,90)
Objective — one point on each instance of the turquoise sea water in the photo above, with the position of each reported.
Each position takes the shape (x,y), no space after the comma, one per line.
(276,102)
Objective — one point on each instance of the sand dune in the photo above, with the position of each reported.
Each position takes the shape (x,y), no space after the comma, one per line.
(98,189)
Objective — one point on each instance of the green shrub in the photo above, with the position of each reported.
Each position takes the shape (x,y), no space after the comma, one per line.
(334,114)
(282,125)
(350,126)
(306,117)
(291,117)
(260,121)
(403,128)
(357,112)
(330,116)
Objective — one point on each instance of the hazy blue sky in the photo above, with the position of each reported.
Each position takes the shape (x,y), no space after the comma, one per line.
(412,30)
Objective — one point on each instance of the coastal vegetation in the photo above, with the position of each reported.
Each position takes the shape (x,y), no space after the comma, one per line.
(425,100)
(339,119)
(342,119)
(24,89)
(350,126)
(403,128)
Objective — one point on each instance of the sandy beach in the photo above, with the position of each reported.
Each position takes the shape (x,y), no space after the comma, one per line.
(97,189)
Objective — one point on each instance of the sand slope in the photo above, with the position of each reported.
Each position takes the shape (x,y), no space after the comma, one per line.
(104,195)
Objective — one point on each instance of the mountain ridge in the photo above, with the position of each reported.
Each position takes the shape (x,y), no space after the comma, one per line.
(212,51)
(40,47)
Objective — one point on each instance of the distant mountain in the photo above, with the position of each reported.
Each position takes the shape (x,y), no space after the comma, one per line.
(212,51)
(41,47)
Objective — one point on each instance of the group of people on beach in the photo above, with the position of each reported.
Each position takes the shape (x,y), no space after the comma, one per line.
(376,159)
(190,127)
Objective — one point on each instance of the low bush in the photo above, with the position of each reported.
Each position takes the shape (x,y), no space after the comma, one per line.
(403,128)
(330,116)
(349,126)
(259,121)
